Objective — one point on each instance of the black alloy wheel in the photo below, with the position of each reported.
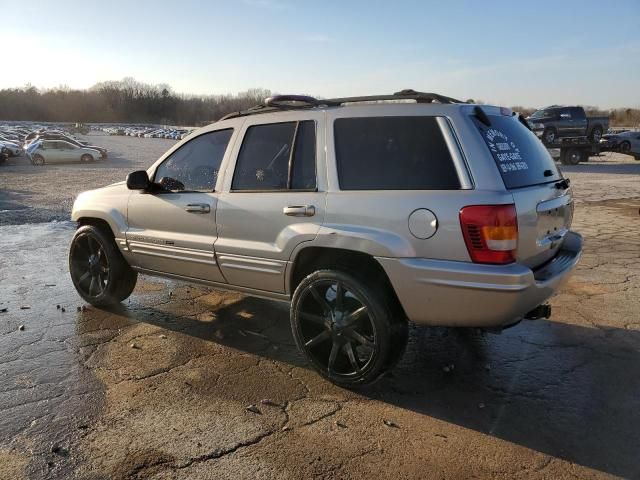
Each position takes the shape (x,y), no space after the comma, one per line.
(99,272)
(345,329)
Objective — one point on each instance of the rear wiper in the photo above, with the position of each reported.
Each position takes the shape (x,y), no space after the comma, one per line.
(523,121)
(480,115)
(563,184)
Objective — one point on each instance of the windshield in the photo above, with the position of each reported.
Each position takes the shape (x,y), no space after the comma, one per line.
(521,158)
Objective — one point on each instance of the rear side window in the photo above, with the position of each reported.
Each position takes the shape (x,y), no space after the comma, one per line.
(393,153)
(521,158)
(277,156)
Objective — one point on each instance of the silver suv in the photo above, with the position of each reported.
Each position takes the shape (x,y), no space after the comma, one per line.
(363,213)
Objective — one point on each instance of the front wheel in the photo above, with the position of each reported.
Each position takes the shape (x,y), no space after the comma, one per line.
(346,328)
(37,160)
(625,147)
(596,134)
(99,272)
(549,136)
(86,158)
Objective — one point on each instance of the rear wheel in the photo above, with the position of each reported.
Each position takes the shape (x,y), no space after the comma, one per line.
(37,159)
(573,156)
(347,329)
(99,272)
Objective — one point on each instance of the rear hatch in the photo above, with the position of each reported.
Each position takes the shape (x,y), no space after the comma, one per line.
(544,204)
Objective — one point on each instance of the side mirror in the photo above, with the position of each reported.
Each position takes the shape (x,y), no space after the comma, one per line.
(138,180)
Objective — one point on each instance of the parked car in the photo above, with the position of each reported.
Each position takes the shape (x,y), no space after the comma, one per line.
(4,155)
(624,142)
(72,140)
(360,215)
(59,151)
(14,149)
(554,122)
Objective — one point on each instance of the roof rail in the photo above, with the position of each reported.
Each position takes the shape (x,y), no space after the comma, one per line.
(408,94)
(296,102)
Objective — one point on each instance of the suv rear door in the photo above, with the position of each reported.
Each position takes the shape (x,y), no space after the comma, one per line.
(544,210)
(273,199)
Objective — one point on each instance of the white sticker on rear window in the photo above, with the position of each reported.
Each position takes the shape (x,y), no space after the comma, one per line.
(505,151)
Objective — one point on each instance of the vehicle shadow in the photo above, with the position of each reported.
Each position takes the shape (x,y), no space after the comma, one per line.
(565,390)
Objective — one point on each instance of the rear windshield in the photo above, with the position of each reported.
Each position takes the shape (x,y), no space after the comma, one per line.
(393,153)
(521,158)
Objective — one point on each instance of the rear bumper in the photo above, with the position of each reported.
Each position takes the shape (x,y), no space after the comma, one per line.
(464,294)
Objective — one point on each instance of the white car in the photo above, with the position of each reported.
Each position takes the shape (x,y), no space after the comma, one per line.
(59,151)
(14,149)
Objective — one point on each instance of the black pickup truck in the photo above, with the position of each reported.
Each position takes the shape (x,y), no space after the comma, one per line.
(555,122)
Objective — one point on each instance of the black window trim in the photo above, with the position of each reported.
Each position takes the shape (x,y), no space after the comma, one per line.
(155,171)
(288,189)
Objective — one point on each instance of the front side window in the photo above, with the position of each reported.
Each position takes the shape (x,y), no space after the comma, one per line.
(194,166)
(393,153)
(277,156)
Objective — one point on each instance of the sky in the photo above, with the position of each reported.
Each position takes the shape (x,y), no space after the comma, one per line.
(528,53)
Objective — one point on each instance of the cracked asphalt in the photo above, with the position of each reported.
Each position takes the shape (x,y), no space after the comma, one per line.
(159,387)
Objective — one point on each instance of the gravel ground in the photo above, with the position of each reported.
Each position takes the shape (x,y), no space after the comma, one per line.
(30,194)
(159,388)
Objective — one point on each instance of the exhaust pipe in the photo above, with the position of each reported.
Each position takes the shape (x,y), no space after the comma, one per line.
(541,311)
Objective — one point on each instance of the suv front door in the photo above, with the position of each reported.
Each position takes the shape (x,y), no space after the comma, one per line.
(172,230)
(273,199)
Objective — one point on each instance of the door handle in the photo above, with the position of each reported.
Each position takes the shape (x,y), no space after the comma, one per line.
(198,208)
(299,211)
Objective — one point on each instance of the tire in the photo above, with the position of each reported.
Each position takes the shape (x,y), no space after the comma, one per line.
(625,147)
(596,134)
(347,328)
(98,270)
(573,156)
(86,158)
(37,159)
(549,136)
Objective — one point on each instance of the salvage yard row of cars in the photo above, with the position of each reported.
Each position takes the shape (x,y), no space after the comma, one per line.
(44,145)
(149,132)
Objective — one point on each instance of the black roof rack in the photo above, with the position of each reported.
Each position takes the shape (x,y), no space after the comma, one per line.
(291,102)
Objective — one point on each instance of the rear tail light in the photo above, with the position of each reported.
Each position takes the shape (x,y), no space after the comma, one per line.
(490,232)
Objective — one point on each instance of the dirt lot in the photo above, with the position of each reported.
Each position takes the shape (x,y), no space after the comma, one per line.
(159,387)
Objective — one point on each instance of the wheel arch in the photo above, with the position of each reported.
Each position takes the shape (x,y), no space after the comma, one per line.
(114,223)
(362,265)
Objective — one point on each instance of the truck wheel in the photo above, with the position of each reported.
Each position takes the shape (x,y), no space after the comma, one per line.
(625,147)
(596,134)
(346,328)
(99,272)
(549,136)
(573,156)
(37,159)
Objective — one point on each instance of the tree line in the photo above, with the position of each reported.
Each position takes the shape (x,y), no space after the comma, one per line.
(130,101)
(124,101)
